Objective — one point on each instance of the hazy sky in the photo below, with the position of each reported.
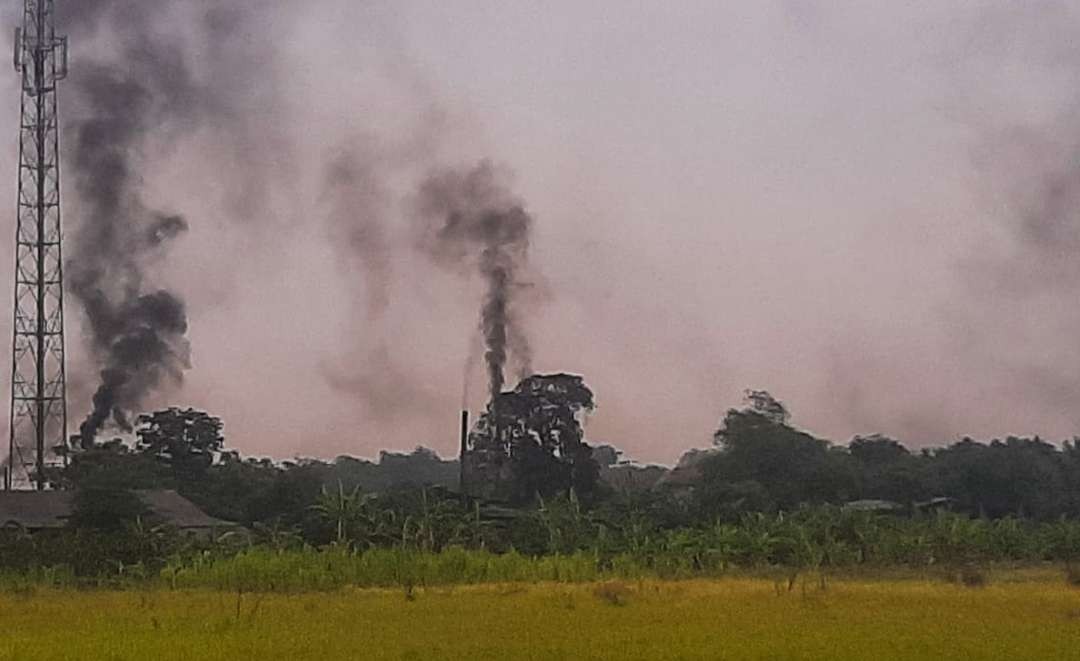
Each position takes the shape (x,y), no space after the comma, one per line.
(871,209)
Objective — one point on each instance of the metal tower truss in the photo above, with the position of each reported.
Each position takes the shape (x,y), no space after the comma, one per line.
(38,398)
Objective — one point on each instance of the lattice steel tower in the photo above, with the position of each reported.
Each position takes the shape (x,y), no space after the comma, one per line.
(38,398)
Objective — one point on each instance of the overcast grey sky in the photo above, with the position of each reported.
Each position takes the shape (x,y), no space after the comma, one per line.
(870,209)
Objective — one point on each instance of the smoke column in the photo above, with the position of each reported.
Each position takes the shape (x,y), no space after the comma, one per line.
(358,207)
(143,88)
(471,219)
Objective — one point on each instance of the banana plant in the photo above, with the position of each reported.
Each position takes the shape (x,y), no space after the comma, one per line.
(352,515)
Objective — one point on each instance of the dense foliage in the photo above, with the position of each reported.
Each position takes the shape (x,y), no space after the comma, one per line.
(530,442)
(767,494)
(763,463)
(435,540)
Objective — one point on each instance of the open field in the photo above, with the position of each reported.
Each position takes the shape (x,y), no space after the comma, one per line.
(1029,616)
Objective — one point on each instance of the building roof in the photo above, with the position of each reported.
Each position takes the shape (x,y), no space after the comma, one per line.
(177,511)
(35,509)
(872,505)
(51,509)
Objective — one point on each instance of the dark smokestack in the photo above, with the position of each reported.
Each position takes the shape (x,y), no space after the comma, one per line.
(463,449)
(464,432)
(470,218)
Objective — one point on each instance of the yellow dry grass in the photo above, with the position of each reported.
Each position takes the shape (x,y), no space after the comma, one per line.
(1024,618)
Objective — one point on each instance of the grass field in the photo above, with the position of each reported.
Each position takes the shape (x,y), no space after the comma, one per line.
(1018,618)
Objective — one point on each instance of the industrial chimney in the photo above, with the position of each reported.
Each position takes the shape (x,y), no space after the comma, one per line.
(464,447)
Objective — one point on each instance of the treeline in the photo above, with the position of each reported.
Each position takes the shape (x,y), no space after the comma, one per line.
(763,463)
(767,493)
(185,450)
(760,463)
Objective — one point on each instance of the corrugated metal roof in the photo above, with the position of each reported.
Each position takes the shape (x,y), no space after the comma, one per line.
(51,509)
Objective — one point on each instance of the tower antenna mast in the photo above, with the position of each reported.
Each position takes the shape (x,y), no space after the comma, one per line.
(38,396)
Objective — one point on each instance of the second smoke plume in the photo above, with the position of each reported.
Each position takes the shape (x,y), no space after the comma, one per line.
(471,218)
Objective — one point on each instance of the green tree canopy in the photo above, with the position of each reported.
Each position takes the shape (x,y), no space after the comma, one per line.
(186,440)
(534,430)
(757,445)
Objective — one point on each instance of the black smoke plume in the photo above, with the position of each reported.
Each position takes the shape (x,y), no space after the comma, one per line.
(471,218)
(136,331)
(138,93)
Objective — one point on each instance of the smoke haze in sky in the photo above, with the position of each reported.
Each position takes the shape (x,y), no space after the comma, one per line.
(870,209)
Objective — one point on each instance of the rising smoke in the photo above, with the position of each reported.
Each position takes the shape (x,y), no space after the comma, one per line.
(137,332)
(1034,278)
(362,177)
(1034,270)
(359,204)
(357,216)
(139,90)
(1018,319)
(470,218)
(1000,340)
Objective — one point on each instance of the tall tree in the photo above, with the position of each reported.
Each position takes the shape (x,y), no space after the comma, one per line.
(757,445)
(185,440)
(530,441)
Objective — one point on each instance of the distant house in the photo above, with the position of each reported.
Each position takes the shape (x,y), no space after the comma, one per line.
(42,510)
(888,506)
(872,505)
(935,504)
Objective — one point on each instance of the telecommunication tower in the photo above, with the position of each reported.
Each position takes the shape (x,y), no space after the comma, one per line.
(38,397)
